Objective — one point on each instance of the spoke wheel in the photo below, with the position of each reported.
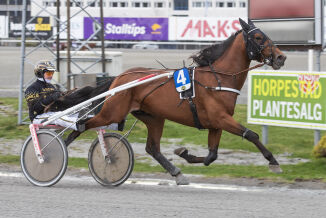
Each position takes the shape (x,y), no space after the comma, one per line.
(55,159)
(115,169)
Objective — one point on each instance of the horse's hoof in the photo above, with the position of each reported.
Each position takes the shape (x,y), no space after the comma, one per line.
(181,179)
(275,169)
(180,151)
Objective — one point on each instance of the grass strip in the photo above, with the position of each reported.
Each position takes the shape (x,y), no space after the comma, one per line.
(314,170)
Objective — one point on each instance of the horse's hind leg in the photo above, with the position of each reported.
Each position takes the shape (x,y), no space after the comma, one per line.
(113,111)
(214,136)
(230,125)
(155,128)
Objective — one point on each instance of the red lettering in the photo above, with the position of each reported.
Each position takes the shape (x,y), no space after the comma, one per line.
(198,27)
(189,27)
(207,30)
(221,28)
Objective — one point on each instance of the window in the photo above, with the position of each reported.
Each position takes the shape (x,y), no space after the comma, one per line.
(220,4)
(78,3)
(48,3)
(3,2)
(98,3)
(13,2)
(136,4)
(230,4)
(158,4)
(91,3)
(114,4)
(123,4)
(207,4)
(242,4)
(203,3)
(180,5)
(196,4)
(146,4)
(118,4)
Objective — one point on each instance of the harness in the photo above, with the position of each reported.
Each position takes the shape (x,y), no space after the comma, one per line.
(189,95)
(254,52)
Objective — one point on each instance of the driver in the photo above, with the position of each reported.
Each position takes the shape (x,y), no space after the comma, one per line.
(41,93)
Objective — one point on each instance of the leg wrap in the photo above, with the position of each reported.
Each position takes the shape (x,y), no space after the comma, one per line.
(167,164)
(212,155)
(250,135)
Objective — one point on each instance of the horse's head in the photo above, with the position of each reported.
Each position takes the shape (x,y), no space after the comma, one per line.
(260,47)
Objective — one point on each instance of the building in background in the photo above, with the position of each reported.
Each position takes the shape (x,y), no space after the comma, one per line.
(11,17)
(13,9)
(152,8)
(157,20)
(185,20)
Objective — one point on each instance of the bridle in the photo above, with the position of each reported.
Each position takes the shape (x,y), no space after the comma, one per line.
(254,50)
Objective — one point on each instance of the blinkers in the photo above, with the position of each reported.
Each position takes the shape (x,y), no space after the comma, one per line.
(254,49)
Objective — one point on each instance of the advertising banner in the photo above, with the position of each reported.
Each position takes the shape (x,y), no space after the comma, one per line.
(151,29)
(3,27)
(40,27)
(202,28)
(287,98)
(76,28)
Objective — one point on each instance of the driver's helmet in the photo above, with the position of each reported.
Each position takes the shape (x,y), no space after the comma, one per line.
(41,67)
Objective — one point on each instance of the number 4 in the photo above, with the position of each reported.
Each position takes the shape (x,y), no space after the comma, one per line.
(181,77)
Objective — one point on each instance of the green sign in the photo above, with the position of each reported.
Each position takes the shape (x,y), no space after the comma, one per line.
(287,98)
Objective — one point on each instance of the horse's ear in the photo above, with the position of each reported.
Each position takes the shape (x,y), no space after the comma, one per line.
(244,25)
(251,24)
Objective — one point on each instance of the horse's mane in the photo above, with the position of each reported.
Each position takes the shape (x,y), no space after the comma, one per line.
(210,54)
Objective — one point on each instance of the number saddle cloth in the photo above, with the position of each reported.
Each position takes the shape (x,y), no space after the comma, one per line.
(185,86)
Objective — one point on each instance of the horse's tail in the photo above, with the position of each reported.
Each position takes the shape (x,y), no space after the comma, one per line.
(81,95)
(103,86)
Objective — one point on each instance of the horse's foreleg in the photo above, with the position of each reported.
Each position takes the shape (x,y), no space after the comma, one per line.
(214,136)
(155,129)
(230,125)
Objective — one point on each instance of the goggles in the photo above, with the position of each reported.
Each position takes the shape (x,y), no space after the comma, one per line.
(49,73)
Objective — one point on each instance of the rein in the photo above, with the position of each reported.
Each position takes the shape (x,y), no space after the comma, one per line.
(236,73)
(210,71)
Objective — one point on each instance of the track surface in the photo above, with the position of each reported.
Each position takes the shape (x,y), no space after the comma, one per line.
(81,196)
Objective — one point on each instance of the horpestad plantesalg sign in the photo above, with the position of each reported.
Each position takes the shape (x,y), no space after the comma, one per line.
(287,98)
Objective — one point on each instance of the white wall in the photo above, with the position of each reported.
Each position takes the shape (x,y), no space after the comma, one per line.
(151,11)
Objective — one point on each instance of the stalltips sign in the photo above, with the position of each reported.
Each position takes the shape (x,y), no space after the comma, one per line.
(129,28)
(291,99)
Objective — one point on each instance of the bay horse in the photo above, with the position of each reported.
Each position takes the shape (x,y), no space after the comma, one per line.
(221,65)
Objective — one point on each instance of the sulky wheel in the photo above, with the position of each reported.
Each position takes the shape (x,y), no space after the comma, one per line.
(116,168)
(55,159)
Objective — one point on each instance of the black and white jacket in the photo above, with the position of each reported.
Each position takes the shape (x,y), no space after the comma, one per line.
(38,95)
